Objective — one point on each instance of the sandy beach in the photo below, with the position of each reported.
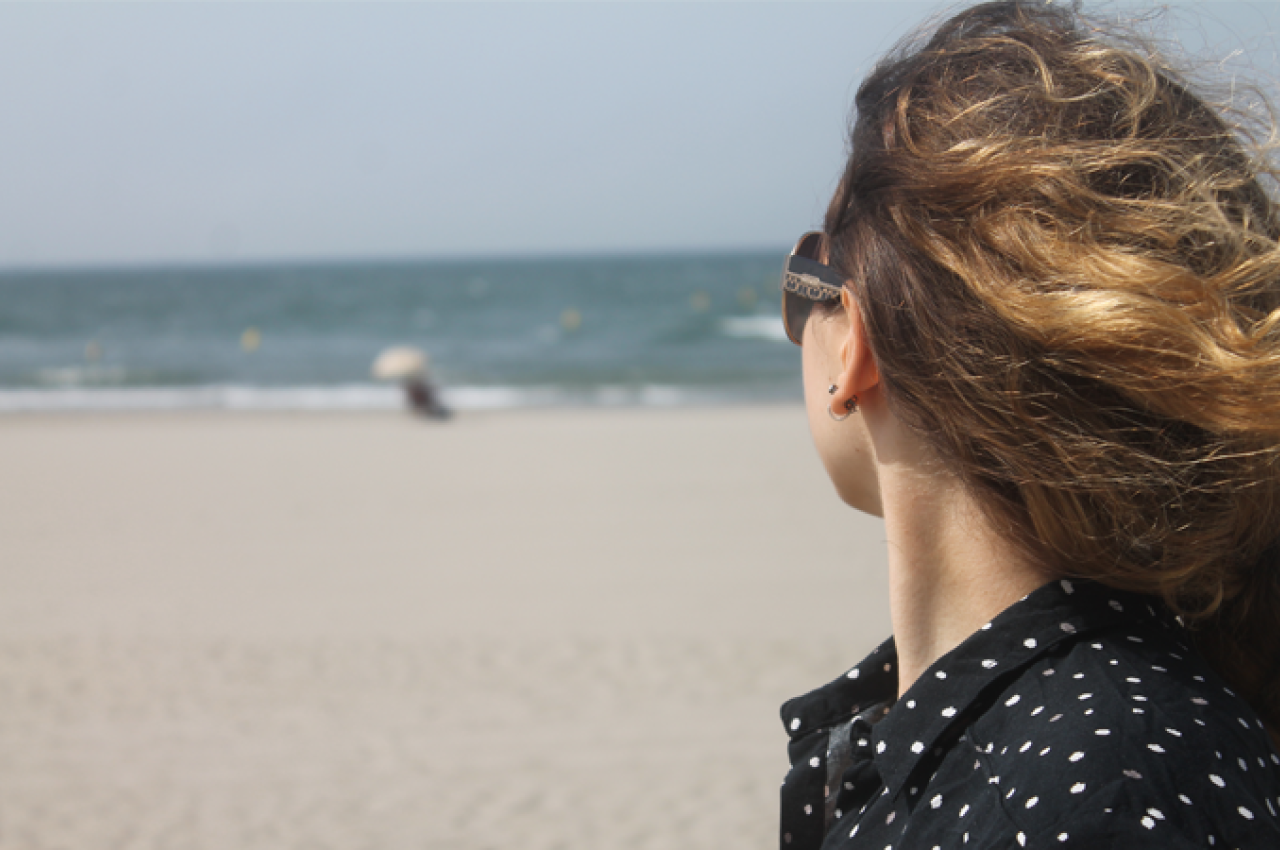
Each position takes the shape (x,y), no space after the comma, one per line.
(551,629)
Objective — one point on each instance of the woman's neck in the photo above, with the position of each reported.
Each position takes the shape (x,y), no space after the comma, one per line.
(949,572)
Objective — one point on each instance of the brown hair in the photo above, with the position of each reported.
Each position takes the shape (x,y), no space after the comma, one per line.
(1067,265)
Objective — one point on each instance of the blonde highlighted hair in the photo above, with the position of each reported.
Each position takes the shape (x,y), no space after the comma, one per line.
(1068,267)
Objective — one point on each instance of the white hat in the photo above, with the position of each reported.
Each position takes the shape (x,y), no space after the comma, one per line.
(400,363)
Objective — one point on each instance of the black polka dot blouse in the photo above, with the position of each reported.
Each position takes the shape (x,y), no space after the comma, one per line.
(1079,717)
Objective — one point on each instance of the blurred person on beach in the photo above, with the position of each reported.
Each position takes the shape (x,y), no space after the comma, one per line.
(1041,339)
(424,399)
(411,368)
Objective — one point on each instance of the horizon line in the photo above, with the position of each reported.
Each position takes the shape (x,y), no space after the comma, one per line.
(384,259)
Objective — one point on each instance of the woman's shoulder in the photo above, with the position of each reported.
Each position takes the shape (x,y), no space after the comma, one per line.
(1129,732)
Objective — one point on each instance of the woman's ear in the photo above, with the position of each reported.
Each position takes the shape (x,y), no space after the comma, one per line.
(858,371)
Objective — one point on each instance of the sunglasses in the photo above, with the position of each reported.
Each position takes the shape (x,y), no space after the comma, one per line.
(806,280)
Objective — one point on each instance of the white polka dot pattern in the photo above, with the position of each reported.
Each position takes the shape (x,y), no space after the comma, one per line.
(972,742)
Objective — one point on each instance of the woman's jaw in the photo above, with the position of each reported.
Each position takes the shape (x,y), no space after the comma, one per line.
(845,447)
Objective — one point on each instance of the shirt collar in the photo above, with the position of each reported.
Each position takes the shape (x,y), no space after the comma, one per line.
(872,682)
(943,699)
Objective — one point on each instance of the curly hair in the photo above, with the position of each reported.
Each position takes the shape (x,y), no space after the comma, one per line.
(1068,269)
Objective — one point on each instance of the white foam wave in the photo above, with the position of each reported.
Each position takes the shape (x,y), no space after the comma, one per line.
(353,397)
(754,327)
(219,397)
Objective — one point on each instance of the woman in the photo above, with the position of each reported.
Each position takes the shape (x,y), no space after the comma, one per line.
(1041,338)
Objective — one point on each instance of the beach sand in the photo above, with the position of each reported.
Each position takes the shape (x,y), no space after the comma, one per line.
(544,630)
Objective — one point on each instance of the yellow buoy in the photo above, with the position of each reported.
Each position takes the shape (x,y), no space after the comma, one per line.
(251,339)
(746,298)
(570,320)
(700,301)
(92,351)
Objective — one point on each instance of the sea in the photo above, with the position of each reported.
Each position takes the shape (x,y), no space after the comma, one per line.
(651,330)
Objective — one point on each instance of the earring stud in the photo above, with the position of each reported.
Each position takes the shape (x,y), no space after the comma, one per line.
(850,407)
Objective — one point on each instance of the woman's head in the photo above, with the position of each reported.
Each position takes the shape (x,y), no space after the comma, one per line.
(1067,267)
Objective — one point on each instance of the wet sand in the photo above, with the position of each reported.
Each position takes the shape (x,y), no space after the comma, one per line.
(538,629)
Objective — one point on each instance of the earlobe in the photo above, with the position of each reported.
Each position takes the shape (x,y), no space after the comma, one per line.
(849,407)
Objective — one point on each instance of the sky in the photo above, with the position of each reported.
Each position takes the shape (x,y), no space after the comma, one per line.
(148,133)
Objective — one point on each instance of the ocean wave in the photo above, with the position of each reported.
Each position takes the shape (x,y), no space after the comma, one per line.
(359,397)
(350,397)
(754,327)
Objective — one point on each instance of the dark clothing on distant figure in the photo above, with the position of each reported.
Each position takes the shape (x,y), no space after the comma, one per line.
(424,399)
(1079,717)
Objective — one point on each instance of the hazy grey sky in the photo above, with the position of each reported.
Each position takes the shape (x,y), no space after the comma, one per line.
(141,133)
